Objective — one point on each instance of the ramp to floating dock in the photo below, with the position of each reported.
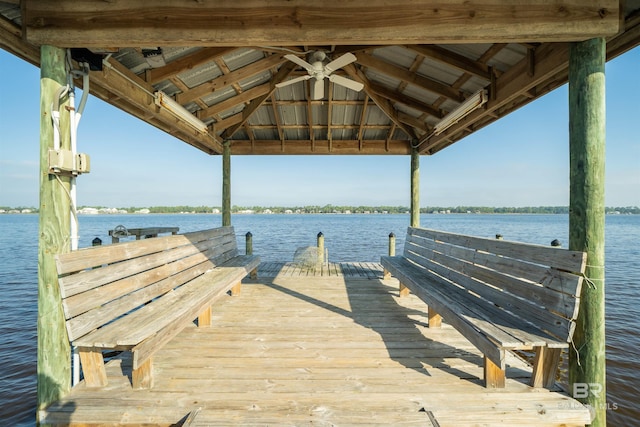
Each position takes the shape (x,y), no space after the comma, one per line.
(327,346)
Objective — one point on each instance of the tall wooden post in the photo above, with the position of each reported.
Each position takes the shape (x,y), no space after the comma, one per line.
(226,184)
(586,218)
(54,362)
(415,188)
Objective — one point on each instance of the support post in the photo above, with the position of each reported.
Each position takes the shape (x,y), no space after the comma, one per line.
(415,188)
(226,184)
(587,219)
(54,352)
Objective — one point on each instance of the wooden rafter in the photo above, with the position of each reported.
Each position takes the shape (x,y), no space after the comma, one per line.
(322,146)
(230,77)
(551,59)
(256,101)
(380,101)
(406,100)
(276,115)
(363,117)
(208,54)
(72,23)
(405,75)
(453,59)
(241,98)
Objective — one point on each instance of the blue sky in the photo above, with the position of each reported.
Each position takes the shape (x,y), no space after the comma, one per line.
(522,160)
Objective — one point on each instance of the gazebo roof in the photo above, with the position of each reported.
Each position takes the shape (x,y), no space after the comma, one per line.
(224,63)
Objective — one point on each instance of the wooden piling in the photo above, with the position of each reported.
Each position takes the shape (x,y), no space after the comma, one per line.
(226,184)
(587,218)
(320,248)
(415,188)
(54,353)
(392,252)
(392,244)
(248,243)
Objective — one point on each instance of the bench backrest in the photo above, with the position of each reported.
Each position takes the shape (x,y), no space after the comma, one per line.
(101,283)
(539,284)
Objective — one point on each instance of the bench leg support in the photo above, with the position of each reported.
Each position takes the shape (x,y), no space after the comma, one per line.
(404,291)
(494,376)
(386,274)
(545,366)
(142,378)
(254,274)
(435,320)
(204,318)
(93,369)
(235,290)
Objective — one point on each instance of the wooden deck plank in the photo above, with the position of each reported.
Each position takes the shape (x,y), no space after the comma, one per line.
(332,348)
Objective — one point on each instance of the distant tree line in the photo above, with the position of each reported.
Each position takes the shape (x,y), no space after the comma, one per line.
(329,209)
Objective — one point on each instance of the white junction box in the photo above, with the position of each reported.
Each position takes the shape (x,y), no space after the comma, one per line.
(64,162)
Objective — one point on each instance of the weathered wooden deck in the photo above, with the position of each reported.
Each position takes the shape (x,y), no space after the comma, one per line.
(330,346)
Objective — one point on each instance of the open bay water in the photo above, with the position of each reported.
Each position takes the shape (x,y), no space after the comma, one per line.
(348,238)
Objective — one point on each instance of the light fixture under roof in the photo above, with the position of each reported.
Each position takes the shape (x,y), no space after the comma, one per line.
(469,105)
(165,101)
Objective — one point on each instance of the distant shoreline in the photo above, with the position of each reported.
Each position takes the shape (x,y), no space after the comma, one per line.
(327,210)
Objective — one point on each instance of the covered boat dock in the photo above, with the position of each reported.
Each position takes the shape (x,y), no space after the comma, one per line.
(372,77)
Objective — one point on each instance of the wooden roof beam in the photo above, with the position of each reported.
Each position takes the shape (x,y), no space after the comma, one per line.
(322,147)
(453,59)
(380,101)
(551,59)
(230,78)
(241,98)
(127,86)
(407,100)
(405,75)
(263,94)
(189,62)
(73,23)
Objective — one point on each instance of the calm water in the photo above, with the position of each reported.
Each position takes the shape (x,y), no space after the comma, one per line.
(348,238)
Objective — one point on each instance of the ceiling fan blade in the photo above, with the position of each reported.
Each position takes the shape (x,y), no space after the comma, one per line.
(301,62)
(292,81)
(317,90)
(343,81)
(345,59)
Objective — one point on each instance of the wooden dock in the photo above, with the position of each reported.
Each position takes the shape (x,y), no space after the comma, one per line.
(325,346)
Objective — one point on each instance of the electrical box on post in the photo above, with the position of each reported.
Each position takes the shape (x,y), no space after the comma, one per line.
(64,162)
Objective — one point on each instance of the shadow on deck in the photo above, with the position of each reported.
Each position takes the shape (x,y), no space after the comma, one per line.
(325,346)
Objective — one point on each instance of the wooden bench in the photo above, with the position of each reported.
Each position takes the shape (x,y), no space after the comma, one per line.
(136,296)
(500,295)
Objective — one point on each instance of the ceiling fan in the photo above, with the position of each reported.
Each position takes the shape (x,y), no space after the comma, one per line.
(318,70)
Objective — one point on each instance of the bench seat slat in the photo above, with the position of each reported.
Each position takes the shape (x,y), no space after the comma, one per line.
(146,348)
(159,313)
(95,297)
(90,320)
(401,269)
(462,273)
(490,320)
